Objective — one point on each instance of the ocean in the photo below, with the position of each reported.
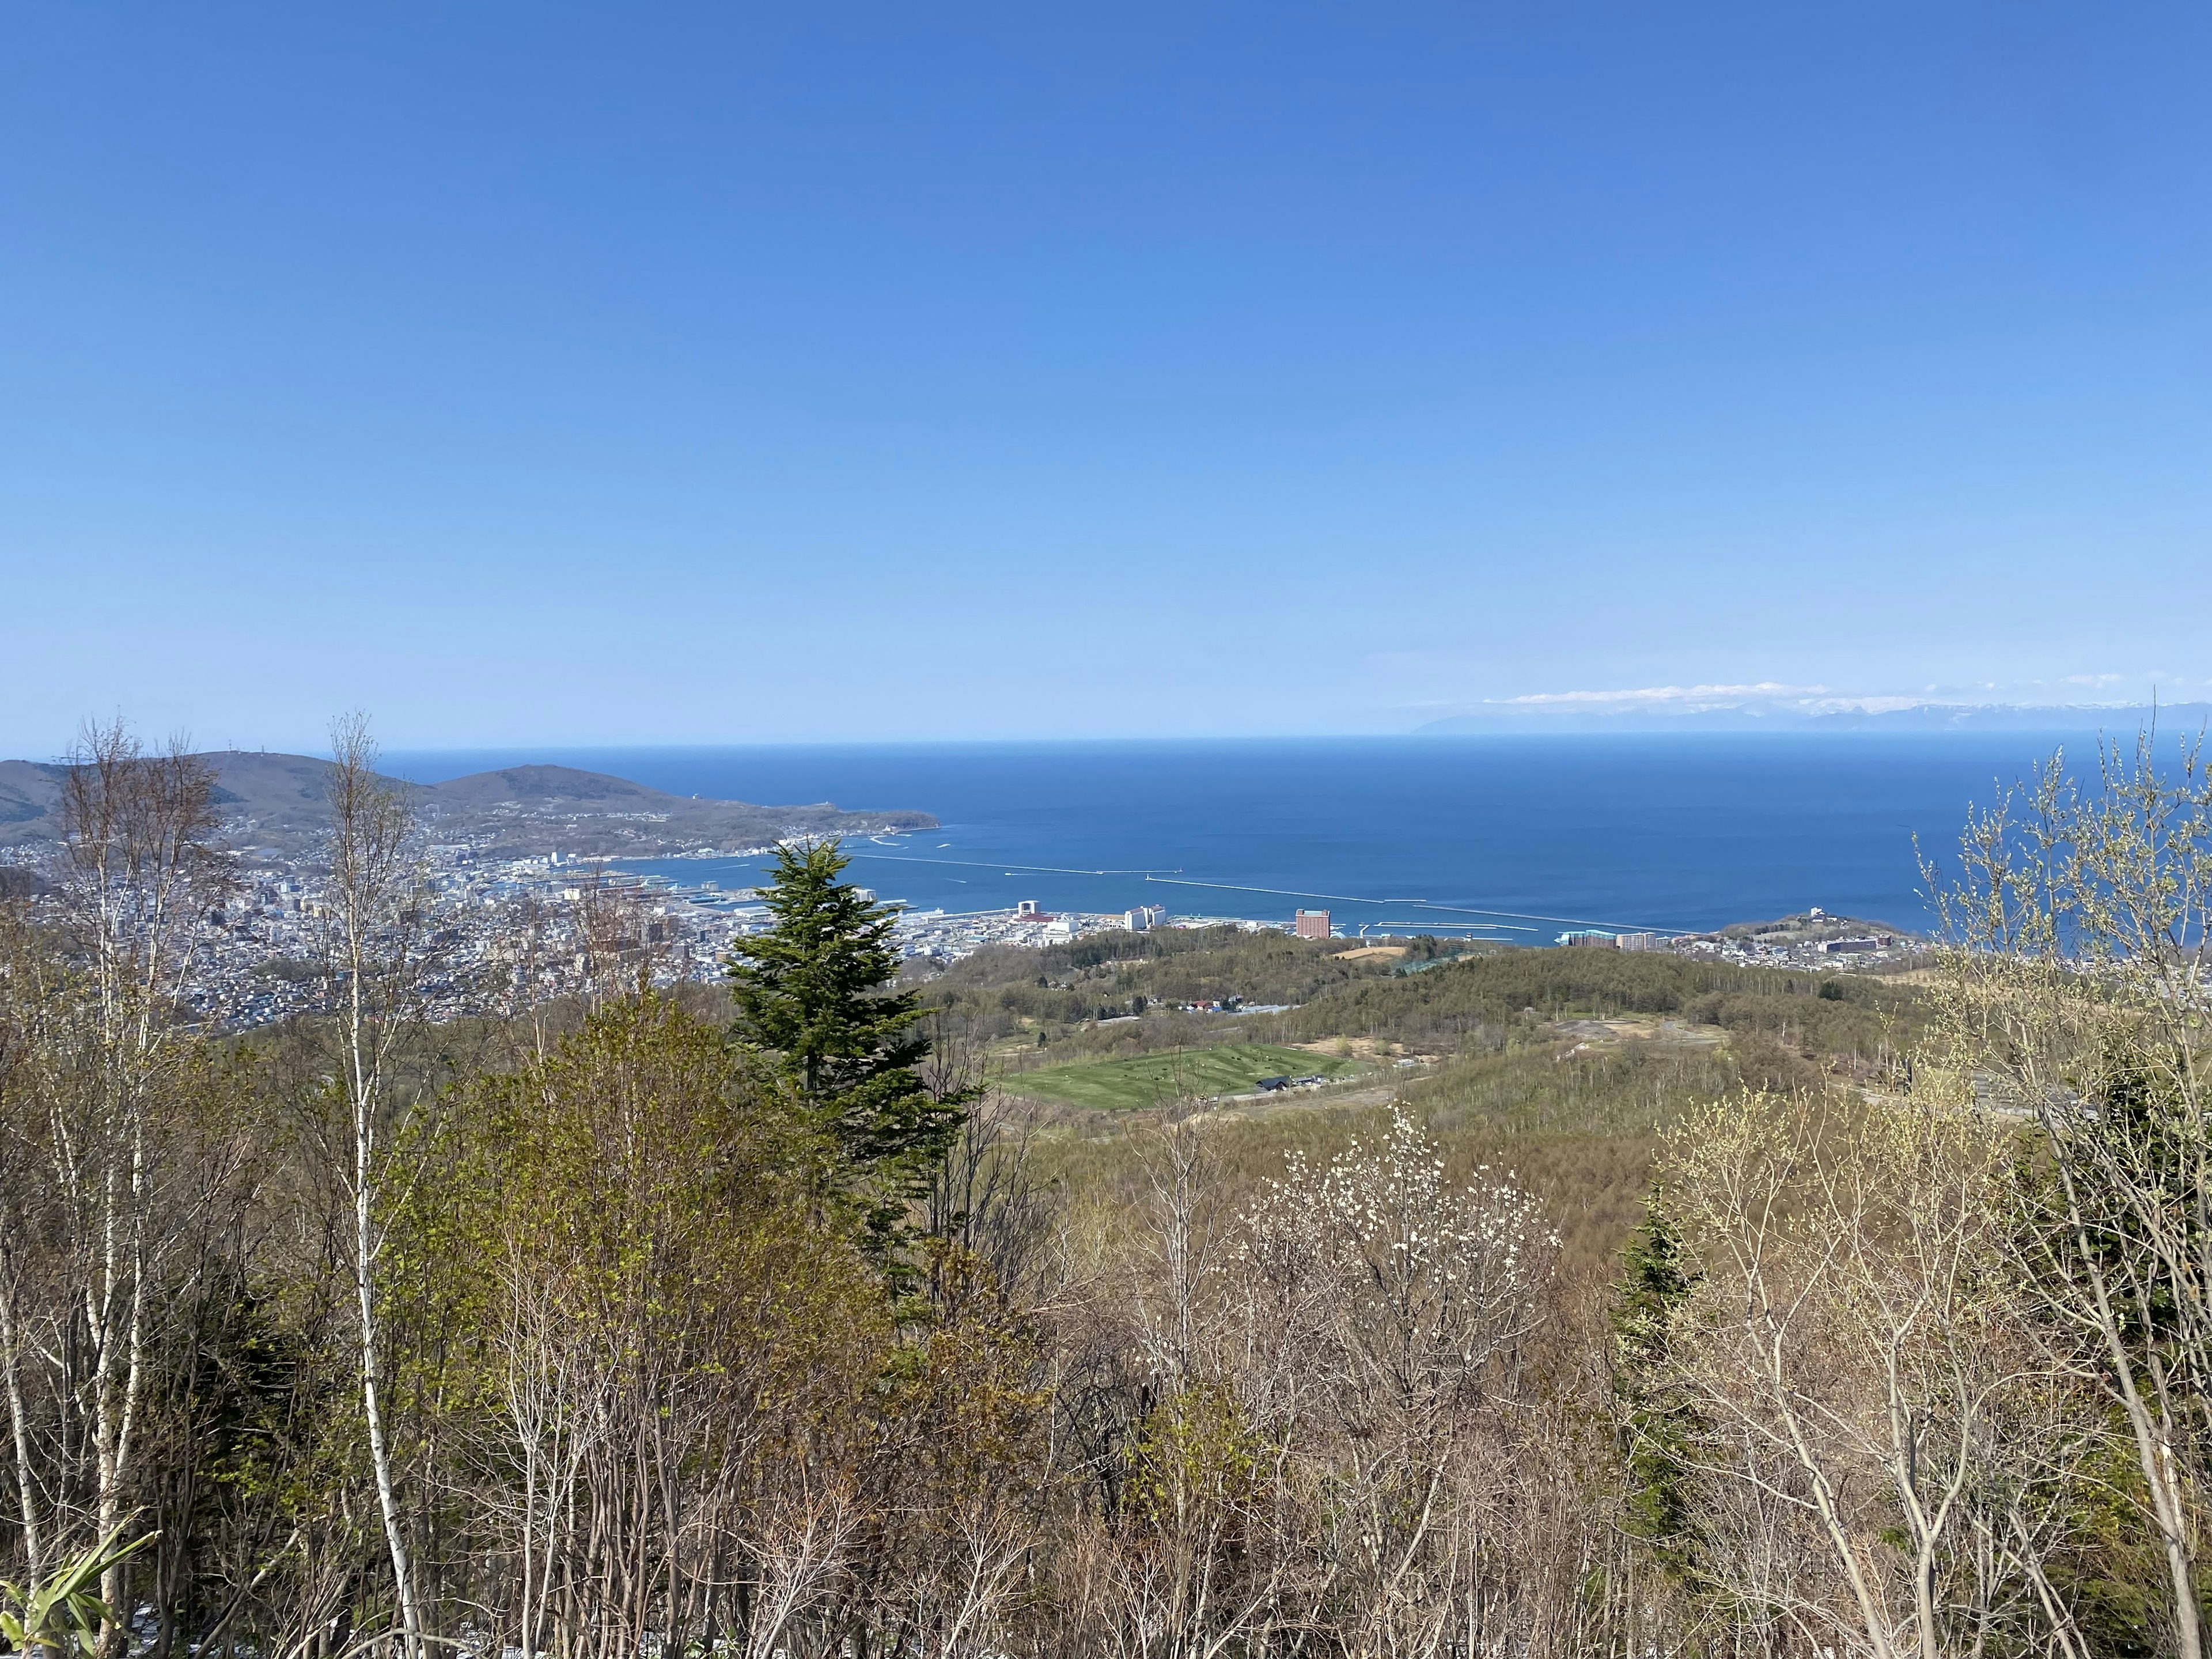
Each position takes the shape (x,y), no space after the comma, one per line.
(1507,837)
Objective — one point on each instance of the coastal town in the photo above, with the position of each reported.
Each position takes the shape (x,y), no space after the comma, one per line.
(502,933)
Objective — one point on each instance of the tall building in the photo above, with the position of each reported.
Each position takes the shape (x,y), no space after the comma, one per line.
(1313,924)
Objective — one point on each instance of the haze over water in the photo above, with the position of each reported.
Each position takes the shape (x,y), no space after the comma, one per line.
(1673,832)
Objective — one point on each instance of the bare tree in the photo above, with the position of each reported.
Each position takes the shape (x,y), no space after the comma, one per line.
(1862,1364)
(985,1197)
(623,941)
(1186,1239)
(2075,995)
(373,928)
(27,1000)
(136,876)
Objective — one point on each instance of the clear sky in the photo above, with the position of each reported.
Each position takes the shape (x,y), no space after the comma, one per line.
(537,373)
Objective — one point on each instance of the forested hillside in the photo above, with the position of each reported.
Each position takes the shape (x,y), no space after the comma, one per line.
(1425,993)
(1566,1064)
(1102,975)
(1586,1304)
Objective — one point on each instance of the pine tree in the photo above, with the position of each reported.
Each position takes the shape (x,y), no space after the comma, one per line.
(812,996)
(1659,1272)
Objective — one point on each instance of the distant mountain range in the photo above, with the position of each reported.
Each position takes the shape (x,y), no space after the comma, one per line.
(1593,714)
(276,802)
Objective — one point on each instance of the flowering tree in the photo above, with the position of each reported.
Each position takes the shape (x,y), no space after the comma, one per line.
(1384,1307)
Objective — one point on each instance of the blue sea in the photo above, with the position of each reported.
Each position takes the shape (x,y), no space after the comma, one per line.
(1509,838)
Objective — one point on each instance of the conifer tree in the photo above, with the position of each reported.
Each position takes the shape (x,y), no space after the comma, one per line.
(812,995)
(1658,1274)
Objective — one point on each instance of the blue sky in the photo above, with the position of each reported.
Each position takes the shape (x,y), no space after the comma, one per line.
(653,374)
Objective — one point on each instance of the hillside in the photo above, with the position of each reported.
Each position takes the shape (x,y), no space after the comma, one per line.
(27,793)
(275,801)
(527,810)
(1564,1065)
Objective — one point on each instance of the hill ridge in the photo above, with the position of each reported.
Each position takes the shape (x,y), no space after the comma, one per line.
(275,800)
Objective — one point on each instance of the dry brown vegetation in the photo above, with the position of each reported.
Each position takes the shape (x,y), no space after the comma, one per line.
(1671,1309)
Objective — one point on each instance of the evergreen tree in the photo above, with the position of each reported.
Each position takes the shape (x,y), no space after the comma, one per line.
(812,995)
(1658,1275)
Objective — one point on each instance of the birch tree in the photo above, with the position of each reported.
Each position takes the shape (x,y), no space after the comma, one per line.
(135,875)
(373,930)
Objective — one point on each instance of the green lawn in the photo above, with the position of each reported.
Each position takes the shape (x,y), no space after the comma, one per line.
(1235,1068)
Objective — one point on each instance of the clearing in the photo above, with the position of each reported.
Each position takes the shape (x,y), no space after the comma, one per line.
(1233,1068)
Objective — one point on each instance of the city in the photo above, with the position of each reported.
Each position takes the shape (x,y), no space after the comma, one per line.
(504,933)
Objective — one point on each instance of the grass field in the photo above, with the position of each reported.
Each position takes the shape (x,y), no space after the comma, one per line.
(1234,1068)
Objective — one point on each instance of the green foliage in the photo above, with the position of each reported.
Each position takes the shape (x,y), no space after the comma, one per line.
(1196,1457)
(2147,1130)
(1658,1274)
(2110,1573)
(641,1161)
(812,996)
(64,1614)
